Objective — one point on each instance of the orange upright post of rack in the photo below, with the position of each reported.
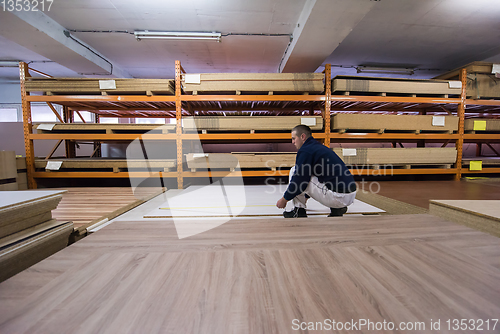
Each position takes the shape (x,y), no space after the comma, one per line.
(27,126)
(461,115)
(328,103)
(178,127)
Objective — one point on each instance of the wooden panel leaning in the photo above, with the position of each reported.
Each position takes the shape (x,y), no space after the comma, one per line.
(254,82)
(249,123)
(8,171)
(415,123)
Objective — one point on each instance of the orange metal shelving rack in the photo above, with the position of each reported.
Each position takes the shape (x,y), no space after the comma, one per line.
(326,100)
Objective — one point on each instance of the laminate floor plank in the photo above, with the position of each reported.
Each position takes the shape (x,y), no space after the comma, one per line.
(260,276)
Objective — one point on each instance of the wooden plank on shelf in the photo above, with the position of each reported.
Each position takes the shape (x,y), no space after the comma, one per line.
(374,122)
(398,156)
(488,161)
(257,82)
(72,86)
(474,67)
(96,163)
(390,85)
(248,123)
(106,128)
(243,160)
(482,124)
(385,268)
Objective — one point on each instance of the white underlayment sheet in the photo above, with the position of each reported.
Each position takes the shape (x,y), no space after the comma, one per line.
(230,201)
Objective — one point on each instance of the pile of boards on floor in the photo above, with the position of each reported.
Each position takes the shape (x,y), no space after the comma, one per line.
(28,234)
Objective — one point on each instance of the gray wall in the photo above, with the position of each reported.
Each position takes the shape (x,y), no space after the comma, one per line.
(10,93)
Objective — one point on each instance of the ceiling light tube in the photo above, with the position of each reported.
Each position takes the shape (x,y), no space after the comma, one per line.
(385,70)
(177,35)
(9,63)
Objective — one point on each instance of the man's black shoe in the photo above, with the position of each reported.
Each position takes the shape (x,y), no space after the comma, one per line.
(295,213)
(337,212)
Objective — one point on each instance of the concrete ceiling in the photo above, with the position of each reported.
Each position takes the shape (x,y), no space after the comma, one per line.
(431,36)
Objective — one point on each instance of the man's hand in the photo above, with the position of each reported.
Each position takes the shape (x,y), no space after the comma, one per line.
(281,203)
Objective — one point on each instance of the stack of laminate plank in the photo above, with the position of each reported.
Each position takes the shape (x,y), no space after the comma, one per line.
(254,82)
(28,233)
(482,124)
(482,81)
(398,156)
(8,171)
(249,123)
(77,86)
(102,128)
(163,165)
(268,160)
(342,122)
(383,86)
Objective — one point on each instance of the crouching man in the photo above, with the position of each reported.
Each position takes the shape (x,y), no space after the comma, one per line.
(318,173)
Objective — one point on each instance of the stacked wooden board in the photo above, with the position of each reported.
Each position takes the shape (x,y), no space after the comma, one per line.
(28,233)
(102,128)
(384,86)
(104,163)
(231,161)
(249,123)
(398,156)
(254,82)
(482,82)
(78,86)
(342,122)
(482,124)
(8,171)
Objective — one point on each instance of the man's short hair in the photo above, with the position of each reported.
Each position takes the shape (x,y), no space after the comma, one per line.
(301,128)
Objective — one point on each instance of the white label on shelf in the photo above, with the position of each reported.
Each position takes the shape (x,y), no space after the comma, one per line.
(438,120)
(200,155)
(53,165)
(107,84)
(495,68)
(46,126)
(309,121)
(349,152)
(192,78)
(455,84)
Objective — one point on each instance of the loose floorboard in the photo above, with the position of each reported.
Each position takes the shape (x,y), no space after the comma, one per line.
(243,201)
(84,206)
(260,276)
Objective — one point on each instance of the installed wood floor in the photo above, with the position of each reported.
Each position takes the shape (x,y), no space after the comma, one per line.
(83,206)
(258,275)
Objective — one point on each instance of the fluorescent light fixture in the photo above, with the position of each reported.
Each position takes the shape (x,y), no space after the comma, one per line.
(9,63)
(146,34)
(385,70)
